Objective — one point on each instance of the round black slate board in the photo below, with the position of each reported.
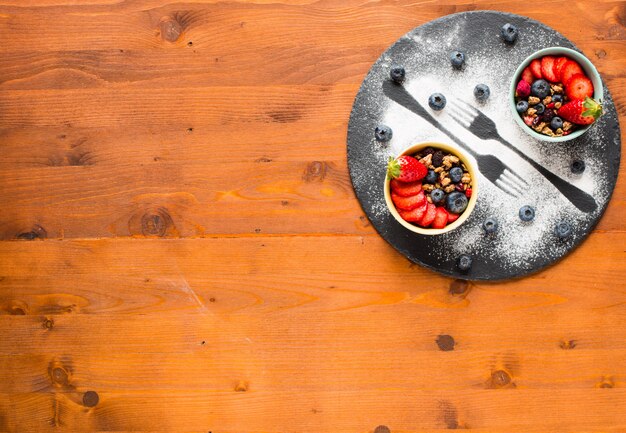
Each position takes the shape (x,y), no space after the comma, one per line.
(518,248)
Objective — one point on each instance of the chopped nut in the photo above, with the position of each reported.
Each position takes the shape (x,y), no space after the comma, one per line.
(463,166)
(465,186)
(431,167)
(567,126)
(449,188)
(437,185)
(466,178)
(443,175)
(531,111)
(438,169)
(559,131)
(557,105)
(548,131)
(547,100)
(447,164)
(446,181)
(557,88)
(427,160)
(539,127)
(453,159)
(427,187)
(533,100)
(429,199)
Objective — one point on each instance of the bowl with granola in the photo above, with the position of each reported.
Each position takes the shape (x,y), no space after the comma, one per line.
(556,94)
(431,188)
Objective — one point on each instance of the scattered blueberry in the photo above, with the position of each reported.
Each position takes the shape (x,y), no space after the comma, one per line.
(456,173)
(456,202)
(577,166)
(482,92)
(437,195)
(521,106)
(540,108)
(397,74)
(383,133)
(556,123)
(457,58)
(437,101)
(490,225)
(431,177)
(464,262)
(527,213)
(540,89)
(563,230)
(557,98)
(509,33)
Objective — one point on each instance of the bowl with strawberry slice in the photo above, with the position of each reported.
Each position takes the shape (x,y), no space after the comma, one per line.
(556,94)
(431,188)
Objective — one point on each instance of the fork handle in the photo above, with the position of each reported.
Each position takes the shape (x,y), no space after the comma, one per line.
(579,198)
(400,95)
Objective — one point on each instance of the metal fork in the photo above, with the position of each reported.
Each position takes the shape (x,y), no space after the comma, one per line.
(484,128)
(490,166)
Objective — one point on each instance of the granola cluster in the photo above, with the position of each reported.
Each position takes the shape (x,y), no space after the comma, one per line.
(540,113)
(439,164)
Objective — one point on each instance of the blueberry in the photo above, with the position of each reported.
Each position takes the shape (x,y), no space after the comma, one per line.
(456,202)
(431,177)
(464,262)
(397,74)
(557,98)
(490,225)
(482,92)
(563,230)
(437,195)
(457,58)
(521,106)
(437,101)
(383,133)
(540,108)
(540,89)
(527,213)
(577,166)
(509,33)
(456,173)
(556,123)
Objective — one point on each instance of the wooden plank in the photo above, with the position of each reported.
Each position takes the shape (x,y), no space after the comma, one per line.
(350,410)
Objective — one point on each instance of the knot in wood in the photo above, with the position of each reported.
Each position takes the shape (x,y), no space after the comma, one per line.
(315,170)
(500,378)
(382,429)
(445,342)
(48,323)
(37,232)
(90,398)
(59,376)
(459,287)
(155,223)
(17,308)
(170,29)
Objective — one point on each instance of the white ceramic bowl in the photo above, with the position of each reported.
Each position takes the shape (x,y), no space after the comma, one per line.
(590,71)
(465,159)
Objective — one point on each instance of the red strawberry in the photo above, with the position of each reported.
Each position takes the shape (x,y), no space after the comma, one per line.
(579,87)
(581,112)
(429,216)
(408,203)
(414,215)
(441,218)
(568,70)
(406,169)
(523,89)
(535,68)
(452,217)
(558,65)
(527,75)
(405,189)
(547,65)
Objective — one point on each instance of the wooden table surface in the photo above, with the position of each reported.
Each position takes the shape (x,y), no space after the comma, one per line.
(182,250)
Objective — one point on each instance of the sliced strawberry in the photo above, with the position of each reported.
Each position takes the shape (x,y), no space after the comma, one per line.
(547,64)
(452,217)
(558,65)
(429,215)
(579,87)
(527,75)
(569,69)
(535,68)
(408,203)
(414,215)
(441,218)
(405,189)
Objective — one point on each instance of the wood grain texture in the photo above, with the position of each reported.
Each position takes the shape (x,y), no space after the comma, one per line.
(181,249)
